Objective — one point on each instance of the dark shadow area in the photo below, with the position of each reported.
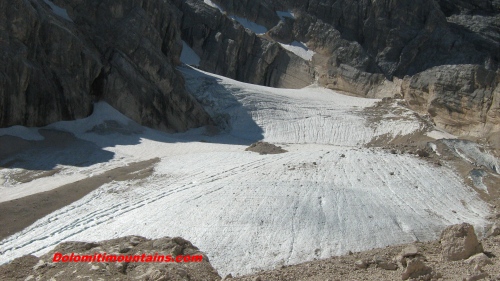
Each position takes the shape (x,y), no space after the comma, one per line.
(58,147)
(228,113)
(64,148)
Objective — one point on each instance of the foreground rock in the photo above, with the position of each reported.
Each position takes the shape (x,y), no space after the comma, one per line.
(58,60)
(43,268)
(459,242)
(415,269)
(423,261)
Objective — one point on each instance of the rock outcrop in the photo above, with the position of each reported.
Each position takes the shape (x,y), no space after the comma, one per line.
(45,268)
(60,56)
(463,99)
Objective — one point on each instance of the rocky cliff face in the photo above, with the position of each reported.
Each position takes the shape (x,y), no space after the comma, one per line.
(58,57)
(464,99)
(443,56)
(227,48)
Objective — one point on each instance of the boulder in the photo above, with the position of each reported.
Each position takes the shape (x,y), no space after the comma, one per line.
(415,268)
(459,242)
(479,260)
(362,264)
(494,230)
(409,251)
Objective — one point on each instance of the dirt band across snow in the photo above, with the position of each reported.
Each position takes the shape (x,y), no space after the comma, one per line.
(17,214)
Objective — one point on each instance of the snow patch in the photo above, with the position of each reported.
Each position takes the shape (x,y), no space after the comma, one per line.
(252,26)
(212,4)
(433,146)
(285,14)
(300,49)
(102,112)
(188,55)
(58,10)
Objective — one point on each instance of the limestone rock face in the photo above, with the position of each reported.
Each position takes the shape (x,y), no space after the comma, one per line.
(459,242)
(227,48)
(46,71)
(58,60)
(463,99)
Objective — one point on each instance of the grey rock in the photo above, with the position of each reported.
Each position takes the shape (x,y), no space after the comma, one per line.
(463,98)
(479,259)
(415,268)
(409,251)
(477,276)
(362,264)
(494,230)
(125,53)
(283,31)
(387,265)
(459,242)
